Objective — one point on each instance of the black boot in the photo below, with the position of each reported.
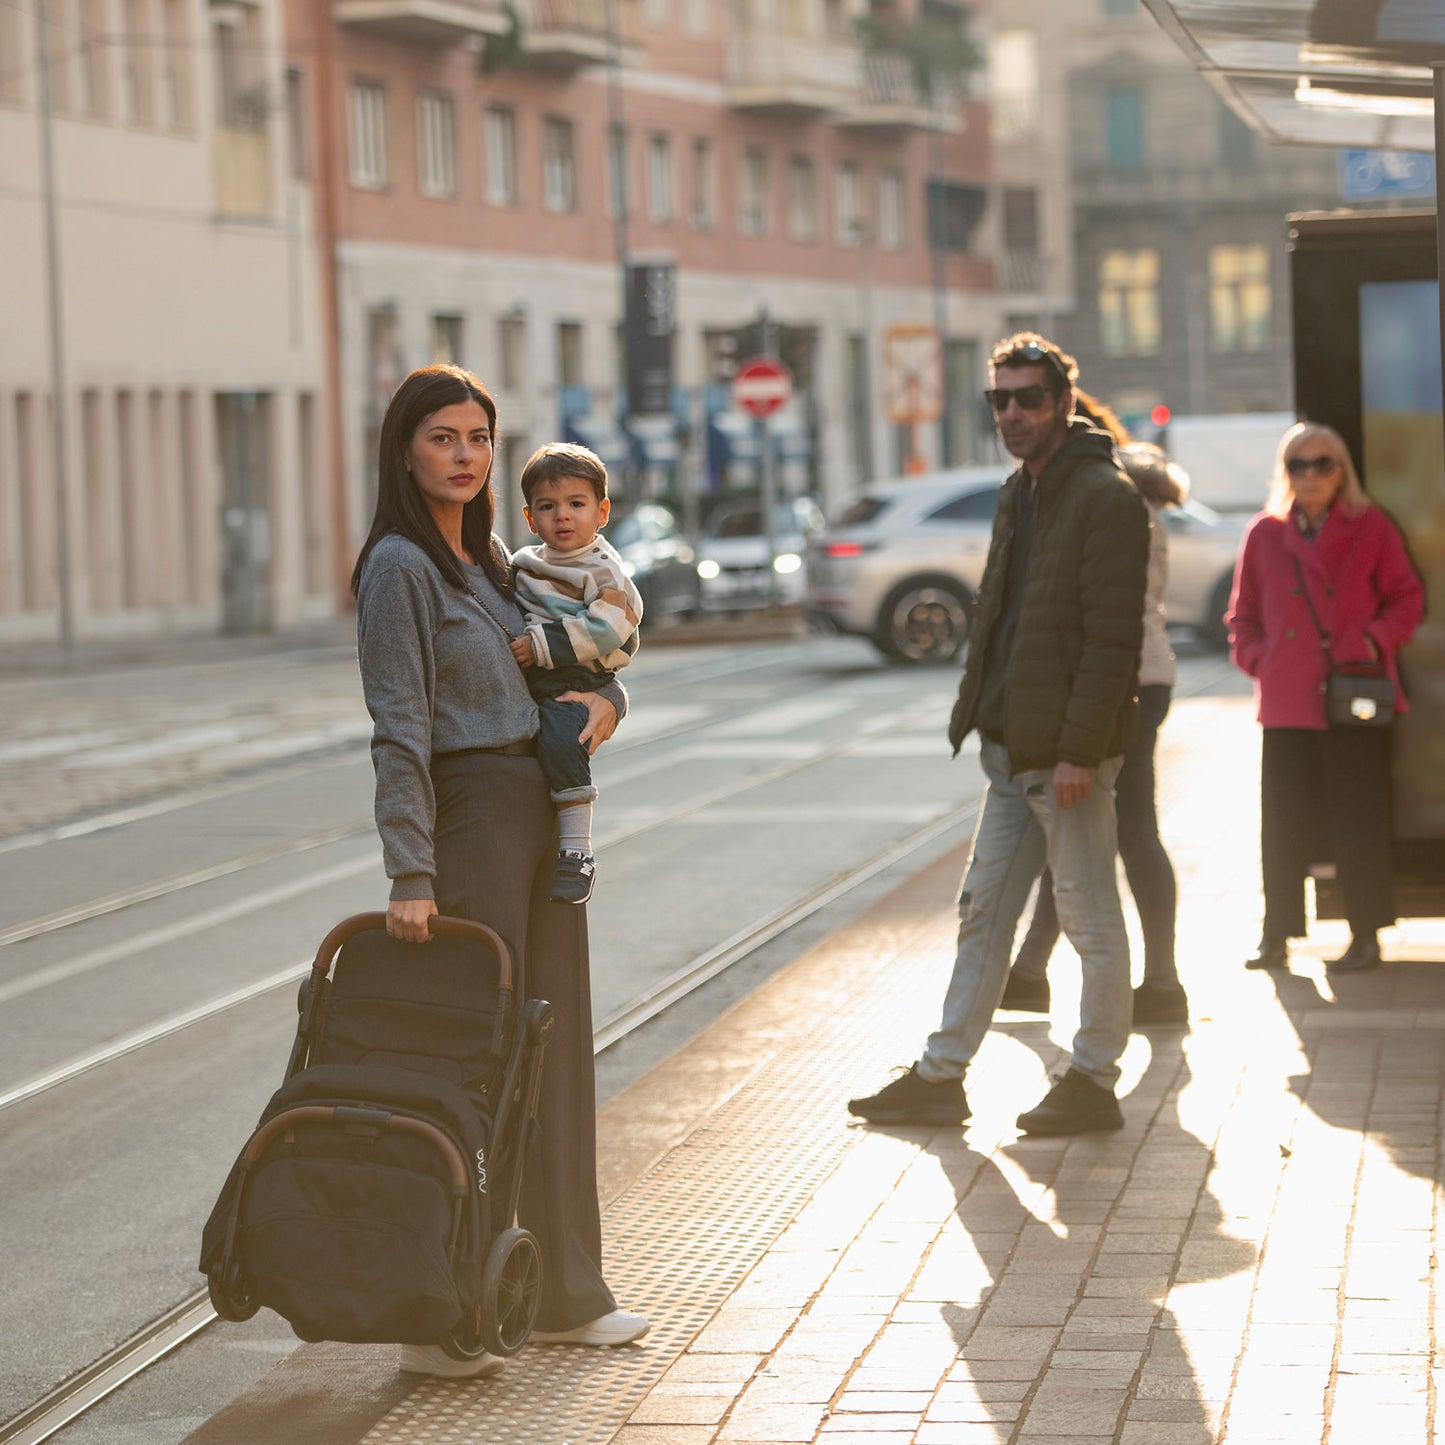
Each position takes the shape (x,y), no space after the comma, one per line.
(1271,953)
(1363,953)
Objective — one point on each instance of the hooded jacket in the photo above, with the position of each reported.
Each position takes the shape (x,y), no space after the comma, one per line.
(1071,674)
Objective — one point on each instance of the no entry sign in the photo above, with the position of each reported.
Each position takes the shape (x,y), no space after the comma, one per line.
(762,386)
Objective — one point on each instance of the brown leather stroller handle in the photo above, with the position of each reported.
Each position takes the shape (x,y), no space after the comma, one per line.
(261,1140)
(438,923)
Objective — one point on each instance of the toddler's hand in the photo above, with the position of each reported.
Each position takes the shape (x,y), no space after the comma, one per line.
(522,651)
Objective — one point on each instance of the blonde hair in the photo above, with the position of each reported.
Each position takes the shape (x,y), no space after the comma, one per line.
(1351,494)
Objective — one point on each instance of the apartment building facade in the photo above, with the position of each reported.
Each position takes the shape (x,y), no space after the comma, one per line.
(1179,225)
(196,476)
(492,165)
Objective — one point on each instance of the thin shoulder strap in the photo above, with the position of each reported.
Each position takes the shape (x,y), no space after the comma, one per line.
(1314,616)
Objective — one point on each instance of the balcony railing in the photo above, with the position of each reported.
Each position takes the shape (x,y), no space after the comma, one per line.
(792,74)
(566,34)
(427,22)
(241,165)
(1023,271)
(890,99)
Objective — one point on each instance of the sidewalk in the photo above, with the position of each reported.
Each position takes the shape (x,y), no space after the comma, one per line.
(1250,1259)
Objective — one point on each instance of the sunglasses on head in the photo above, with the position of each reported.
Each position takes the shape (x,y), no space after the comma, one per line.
(1321,465)
(1031,353)
(1031,398)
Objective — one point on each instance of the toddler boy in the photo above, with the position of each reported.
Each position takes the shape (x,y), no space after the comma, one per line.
(582,614)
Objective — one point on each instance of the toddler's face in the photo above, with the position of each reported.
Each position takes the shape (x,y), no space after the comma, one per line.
(567,513)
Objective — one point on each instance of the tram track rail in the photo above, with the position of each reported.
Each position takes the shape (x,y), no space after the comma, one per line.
(151,1344)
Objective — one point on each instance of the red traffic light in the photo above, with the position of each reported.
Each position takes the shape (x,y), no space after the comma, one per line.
(1160,415)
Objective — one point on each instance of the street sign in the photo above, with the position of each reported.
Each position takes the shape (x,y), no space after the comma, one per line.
(1375,175)
(762,386)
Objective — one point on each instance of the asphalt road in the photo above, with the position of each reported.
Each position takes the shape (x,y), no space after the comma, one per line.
(152,940)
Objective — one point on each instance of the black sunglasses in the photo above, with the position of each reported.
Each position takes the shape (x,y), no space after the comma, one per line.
(1031,398)
(1302,466)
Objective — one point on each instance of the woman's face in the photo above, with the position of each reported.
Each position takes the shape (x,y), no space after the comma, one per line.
(450,455)
(1314,474)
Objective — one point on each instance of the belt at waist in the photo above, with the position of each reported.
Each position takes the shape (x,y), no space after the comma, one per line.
(524,748)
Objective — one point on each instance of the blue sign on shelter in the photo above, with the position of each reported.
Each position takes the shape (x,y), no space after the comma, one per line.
(1371,175)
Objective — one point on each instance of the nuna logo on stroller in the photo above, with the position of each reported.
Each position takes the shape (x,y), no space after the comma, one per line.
(375,1201)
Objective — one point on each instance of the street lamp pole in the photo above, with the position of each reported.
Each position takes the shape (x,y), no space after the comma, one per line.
(619,176)
(57,338)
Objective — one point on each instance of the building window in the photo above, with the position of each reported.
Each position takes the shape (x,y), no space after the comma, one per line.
(619,192)
(659,179)
(654,13)
(1236,141)
(954,211)
(366,134)
(436,145)
(694,17)
(1124,128)
(175,58)
(446,339)
(137,63)
(847,214)
(559,165)
(242,102)
(569,353)
(704,184)
(499,135)
(1129,303)
(892,230)
(1239,298)
(94,73)
(1021,220)
(860,403)
(298,150)
(512,348)
(802,199)
(1013,63)
(753,193)
(961,373)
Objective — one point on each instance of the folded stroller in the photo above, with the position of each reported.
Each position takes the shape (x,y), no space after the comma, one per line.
(376,1200)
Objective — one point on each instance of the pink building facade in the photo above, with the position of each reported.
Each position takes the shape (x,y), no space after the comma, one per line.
(467,176)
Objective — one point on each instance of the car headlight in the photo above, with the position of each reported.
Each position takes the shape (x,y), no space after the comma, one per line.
(786,562)
(707,569)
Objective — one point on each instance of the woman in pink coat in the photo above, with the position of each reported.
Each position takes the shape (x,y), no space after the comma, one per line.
(1324,791)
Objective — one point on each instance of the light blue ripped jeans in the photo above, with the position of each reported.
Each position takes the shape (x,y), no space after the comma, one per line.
(1019,830)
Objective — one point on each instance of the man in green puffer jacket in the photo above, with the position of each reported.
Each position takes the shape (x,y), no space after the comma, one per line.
(1049,685)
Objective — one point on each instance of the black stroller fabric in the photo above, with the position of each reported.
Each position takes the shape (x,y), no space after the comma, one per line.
(351,1230)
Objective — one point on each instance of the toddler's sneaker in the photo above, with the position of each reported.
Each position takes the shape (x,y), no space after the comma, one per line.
(572,882)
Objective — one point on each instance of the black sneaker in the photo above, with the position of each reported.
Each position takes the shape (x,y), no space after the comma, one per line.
(1025,995)
(572,882)
(1075,1105)
(1160,1003)
(909,1099)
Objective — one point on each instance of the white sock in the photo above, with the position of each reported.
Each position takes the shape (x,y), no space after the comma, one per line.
(574,827)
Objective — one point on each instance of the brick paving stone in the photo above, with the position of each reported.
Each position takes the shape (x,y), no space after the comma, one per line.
(954,1433)
(1098,1415)
(777,1424)
(859,1437)
(1159,1432)
(908,1420)
(663,1435)
(882,1402)
(667,1408)
(1107,1359)
(714,1369)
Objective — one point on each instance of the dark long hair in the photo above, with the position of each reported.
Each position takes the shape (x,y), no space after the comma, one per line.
(400,506)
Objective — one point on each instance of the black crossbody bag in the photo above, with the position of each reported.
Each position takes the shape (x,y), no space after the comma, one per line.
(1358,693)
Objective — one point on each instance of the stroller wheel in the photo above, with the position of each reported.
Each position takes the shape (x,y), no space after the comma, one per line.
(230,1301)
(511,1291)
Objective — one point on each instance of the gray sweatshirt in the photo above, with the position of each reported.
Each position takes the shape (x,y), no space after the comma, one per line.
(438,677)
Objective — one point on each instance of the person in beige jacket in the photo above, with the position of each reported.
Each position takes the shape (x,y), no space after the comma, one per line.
(1160,998)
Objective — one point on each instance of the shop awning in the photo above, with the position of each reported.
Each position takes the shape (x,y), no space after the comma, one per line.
(1318,72)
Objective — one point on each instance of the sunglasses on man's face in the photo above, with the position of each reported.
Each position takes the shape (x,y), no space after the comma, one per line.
(1321,466)
(1031,398)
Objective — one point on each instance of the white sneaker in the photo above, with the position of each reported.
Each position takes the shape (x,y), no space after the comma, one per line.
(433,1360)
(614,1329)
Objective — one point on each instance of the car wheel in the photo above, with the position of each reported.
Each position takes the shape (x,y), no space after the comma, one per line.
(1214,631)
(925,621)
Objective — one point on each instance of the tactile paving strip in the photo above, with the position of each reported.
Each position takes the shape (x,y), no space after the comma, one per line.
(682,1238)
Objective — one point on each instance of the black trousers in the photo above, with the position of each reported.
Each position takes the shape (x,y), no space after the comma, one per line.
(496,846)
(1325,797)
(1146,864)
